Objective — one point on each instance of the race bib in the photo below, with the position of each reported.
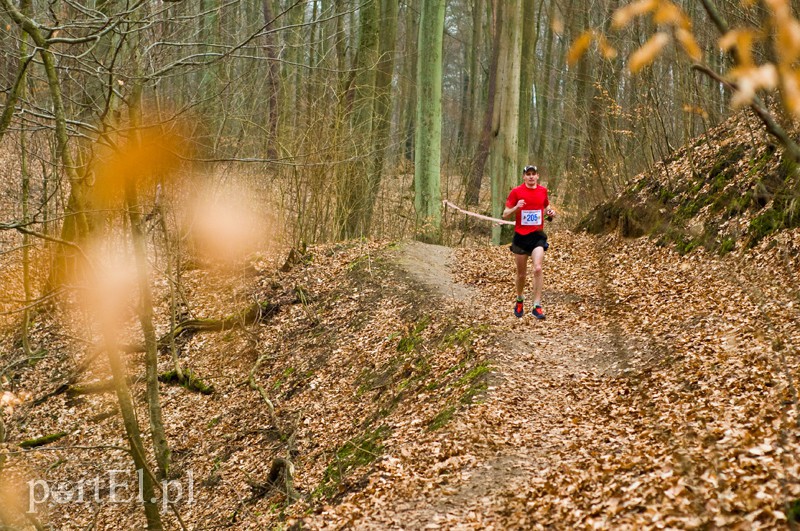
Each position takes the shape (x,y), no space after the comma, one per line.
(531,217)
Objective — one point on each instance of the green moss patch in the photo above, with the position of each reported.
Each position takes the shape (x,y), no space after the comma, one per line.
(352,455)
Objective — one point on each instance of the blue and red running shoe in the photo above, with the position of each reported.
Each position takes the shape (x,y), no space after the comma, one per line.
(519,308)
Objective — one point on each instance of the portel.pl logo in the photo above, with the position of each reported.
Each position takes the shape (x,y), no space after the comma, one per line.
(117,486)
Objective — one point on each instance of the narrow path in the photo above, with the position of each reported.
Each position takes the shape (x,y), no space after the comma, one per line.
(528,411)
(658,392)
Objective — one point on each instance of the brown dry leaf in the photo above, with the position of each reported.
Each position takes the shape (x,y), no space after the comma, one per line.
(579,47)
(689,44)
(648,52)
(625,14)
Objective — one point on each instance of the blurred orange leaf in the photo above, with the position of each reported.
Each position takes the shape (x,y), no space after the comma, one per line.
(788,40)
(608,51)
(669,13)
(751,79)
(557,25)
(648,52)
(154,156)
(699,111)
(790,90)
(625,14)
(740,40)
(689,44)
(579,47)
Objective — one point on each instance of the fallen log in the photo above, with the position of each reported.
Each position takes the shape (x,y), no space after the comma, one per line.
(257,312)
(41,441)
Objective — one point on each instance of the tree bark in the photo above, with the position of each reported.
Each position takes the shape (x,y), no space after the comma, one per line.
(505,127)
(157,432)
(527,66)
(133,434)
(482,149)
(272,88)
(428,144)
(381,119)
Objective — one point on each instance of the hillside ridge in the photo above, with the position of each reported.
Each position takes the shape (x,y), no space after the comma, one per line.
(724,191)
(402,407)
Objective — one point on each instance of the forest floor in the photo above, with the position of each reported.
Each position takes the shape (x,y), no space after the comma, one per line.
(659,392)
(654,394)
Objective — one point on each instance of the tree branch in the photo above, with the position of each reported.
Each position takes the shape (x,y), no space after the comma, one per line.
(758,106)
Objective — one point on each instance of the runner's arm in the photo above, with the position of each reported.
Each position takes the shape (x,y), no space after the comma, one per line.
(510,210)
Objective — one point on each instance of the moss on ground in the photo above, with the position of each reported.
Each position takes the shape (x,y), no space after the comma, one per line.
(351,455)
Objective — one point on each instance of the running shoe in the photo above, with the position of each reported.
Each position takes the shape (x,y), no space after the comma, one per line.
(519,308)
(538,312)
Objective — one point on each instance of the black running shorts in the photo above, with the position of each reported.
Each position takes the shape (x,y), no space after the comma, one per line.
(525,244)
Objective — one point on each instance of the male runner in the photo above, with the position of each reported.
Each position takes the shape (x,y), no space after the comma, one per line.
(530,203)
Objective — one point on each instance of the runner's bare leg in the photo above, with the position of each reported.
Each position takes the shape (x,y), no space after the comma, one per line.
(538,260)
(522,268)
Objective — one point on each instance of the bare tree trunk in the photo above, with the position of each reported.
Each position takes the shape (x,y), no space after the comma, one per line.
(381,120)
(546,96)
(503,158)
(119,375)
(25,6)
(271,138)
(427,160)
(479,16)
(157,433)
(411,55)
(482,149)
(354,193)
(75,225)
(527,66)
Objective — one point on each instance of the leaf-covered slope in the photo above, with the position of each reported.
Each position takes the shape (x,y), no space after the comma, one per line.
(727,189)
(358,358)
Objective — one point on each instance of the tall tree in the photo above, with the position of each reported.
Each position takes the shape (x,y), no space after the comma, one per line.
(529,38)
(273,68)
(381,118)
(473,188)
(354,193)
(505,124)
(428,143)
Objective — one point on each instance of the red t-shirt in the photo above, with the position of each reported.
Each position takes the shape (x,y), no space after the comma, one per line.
(530,217)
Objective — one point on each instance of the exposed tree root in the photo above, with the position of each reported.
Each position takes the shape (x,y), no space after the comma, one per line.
(188,379)
(257,387)
(280,478)
(257,312)
(77,389)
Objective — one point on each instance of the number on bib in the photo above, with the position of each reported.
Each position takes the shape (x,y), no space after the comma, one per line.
(531,217)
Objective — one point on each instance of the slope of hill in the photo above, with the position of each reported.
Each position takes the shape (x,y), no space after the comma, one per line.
(659,392)
(390,387)
(359,357)
(726,190)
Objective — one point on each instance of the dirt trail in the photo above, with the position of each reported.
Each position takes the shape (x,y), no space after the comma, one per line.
(530,412)
(648,398)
